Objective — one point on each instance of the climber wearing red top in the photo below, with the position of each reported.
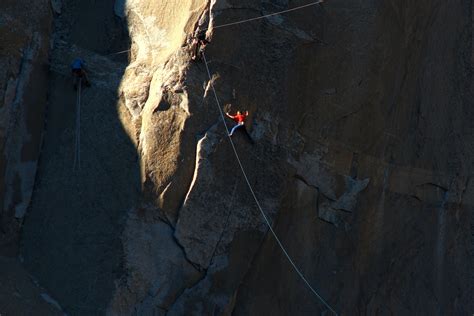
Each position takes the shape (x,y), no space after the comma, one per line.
(239,118)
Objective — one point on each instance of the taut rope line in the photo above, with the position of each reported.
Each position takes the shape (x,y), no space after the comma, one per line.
(267,15)
(255,197)
(77,148)
(244,21)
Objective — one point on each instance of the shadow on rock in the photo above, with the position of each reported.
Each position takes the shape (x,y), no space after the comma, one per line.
(71,237)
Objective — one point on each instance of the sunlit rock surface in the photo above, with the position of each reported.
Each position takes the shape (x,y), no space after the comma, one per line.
(361,114)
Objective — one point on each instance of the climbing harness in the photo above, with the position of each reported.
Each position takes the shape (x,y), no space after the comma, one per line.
(255,197)
(77,146)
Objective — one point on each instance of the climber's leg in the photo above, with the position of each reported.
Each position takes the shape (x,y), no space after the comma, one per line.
(234,128)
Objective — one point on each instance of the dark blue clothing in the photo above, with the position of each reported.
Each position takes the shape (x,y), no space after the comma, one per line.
(240,126)
(77,63)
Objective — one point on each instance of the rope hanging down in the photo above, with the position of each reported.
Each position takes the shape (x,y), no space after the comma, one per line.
(255,197)
(244,21)
(77,148)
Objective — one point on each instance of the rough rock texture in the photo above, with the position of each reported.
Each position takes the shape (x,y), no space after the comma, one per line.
(362,116)
(24,32)
(71,238)
(24,35)
(157,270)
(20,294)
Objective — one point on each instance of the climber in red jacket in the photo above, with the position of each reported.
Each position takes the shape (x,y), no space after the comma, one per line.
(239,118)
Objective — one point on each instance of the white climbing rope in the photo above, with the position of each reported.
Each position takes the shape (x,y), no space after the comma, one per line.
(255,197)
(79,125)
(243,21)
(77,147)
(267,15)
(118,53)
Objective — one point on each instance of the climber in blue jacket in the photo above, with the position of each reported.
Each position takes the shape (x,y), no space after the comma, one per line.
(79,72)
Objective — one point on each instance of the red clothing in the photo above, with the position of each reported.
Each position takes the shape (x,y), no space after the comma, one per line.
(239,118)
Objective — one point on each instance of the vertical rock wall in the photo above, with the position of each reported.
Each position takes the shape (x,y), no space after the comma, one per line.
(71,237)
(25,28)
(25,31)
(361,116)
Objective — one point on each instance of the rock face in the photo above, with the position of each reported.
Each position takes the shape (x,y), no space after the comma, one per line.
(71,238)
(350,118)
(20,294)
(361,116)
(25,30)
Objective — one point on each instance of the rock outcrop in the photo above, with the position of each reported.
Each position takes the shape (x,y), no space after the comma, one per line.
(349,119)
(361,116)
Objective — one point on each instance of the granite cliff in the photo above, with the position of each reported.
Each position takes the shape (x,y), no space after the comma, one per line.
(361,112)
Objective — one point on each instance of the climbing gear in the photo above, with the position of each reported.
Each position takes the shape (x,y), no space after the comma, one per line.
(240,22)
(267,221)
(77,145)
(118,53)
(267,15)
(297,270)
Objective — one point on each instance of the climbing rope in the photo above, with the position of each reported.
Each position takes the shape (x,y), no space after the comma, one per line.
(267,15)
(244,21)
(290,260)
(77,147)
(255,197)
(118,53)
